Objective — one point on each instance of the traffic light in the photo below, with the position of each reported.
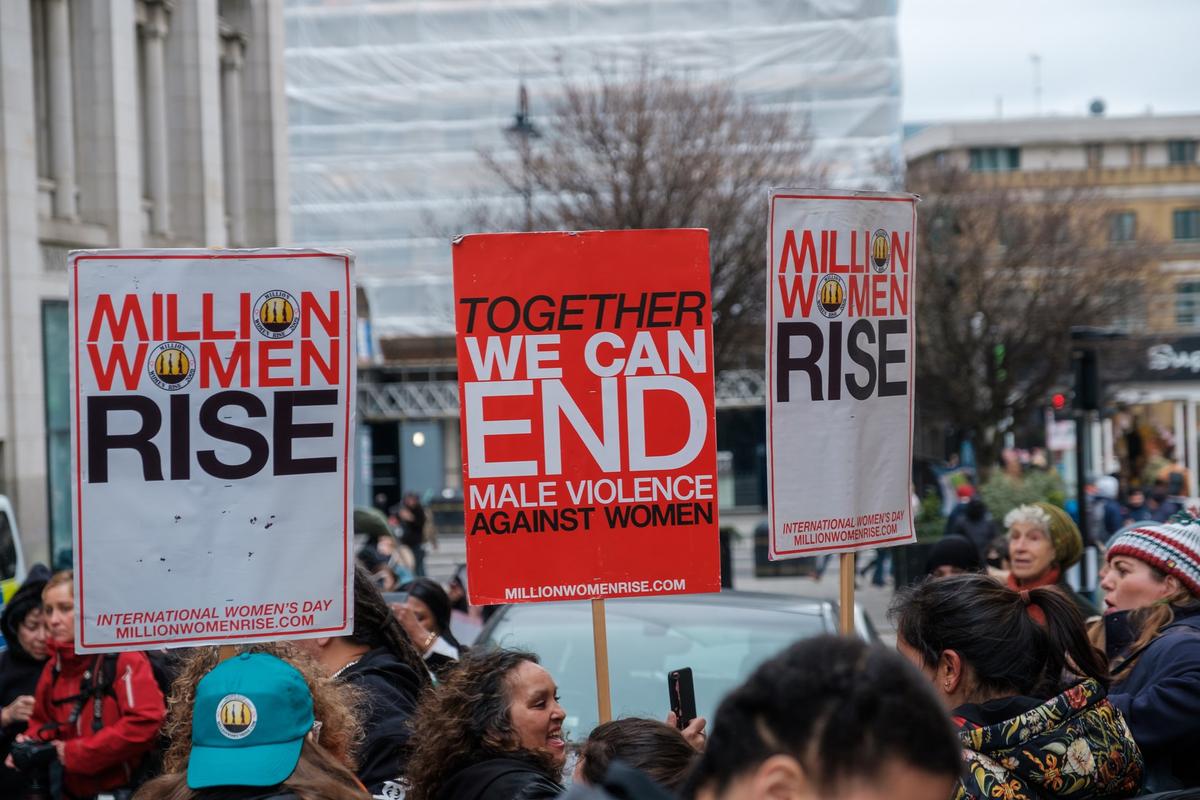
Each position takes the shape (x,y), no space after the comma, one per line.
(1058,401)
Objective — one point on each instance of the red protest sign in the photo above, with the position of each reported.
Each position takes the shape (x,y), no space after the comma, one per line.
(586,388)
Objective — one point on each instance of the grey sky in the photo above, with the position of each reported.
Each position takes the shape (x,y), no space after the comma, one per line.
(960,55)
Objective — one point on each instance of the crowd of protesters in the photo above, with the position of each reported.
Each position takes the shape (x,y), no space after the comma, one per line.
(1004,683)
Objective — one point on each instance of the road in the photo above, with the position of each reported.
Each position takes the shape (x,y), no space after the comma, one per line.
(874,600)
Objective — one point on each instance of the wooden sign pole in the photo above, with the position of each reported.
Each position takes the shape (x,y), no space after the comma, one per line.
(846,600)
(600,645)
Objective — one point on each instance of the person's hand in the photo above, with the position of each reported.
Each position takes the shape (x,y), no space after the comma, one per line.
(18,710)
(693,733)
(408,621)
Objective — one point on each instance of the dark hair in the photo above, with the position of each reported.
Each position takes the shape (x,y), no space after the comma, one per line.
(26,600)
(953,551)
(647,745)
(375,626)
(842,708)
(431,593)
(993,629)
(317,776)
(466,720)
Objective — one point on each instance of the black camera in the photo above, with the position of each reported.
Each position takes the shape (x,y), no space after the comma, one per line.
(30,756)
(34,759)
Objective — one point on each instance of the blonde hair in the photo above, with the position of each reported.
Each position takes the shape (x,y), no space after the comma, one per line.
(62,577)
(334,703)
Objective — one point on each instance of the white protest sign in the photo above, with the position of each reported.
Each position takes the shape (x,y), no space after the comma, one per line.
(212,421)
(840,299)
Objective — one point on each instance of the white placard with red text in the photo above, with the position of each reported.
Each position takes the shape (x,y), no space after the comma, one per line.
(212,420)
(840,343)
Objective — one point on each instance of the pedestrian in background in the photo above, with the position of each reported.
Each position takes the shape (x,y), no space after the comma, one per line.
(829,718)
(492,731)
(952,555)
(21,665)
(1000,672)
(410,516)
(1152,633)
(252,733)
(425,617)
(380,662)
(1043,542)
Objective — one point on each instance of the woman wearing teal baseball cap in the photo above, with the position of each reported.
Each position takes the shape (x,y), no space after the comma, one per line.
(254,736)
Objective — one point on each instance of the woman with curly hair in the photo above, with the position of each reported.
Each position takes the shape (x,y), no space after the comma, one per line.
(492,731)
(999,669)
(323,762)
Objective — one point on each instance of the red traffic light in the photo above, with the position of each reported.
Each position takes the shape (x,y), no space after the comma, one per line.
(1059,401)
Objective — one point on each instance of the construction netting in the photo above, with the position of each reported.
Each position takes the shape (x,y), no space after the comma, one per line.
(391,102)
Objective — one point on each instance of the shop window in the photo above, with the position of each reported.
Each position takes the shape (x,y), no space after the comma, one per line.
(55,351)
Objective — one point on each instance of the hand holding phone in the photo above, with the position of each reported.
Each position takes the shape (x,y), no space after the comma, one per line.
(682,693)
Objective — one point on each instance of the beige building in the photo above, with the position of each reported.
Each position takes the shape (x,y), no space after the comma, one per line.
(1146,172)
(1144,168)
(125,123)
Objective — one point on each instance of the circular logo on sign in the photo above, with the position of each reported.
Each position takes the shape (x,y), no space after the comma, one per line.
(236,716)
(881,251)
(172,366)
(275,314)
(831,297)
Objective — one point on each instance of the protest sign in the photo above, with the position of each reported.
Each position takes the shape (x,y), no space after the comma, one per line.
(840,299)
(586,389)
(212,419)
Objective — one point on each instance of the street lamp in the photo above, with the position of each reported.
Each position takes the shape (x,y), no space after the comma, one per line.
(521,132)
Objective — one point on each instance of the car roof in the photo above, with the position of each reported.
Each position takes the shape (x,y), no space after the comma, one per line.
(731,599)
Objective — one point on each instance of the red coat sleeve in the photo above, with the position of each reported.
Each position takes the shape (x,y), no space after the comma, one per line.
(141,711)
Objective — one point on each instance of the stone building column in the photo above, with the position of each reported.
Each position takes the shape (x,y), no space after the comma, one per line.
(154,35)
(61,97)
(232,59)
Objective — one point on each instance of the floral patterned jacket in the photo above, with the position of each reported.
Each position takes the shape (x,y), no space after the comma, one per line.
(1075,745)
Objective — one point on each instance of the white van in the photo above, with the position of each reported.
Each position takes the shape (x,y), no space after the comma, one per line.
(12,560)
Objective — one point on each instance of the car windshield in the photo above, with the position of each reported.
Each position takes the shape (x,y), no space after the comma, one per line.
(721,642)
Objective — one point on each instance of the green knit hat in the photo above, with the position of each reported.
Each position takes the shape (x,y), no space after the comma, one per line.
(1064,534)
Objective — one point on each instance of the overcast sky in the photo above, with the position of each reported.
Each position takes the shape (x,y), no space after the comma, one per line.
(960,55)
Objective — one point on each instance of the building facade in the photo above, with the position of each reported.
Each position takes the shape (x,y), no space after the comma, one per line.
(1143,169)
(126,123)
(1145,172)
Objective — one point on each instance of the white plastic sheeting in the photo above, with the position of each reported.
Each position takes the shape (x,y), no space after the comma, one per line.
(391,101)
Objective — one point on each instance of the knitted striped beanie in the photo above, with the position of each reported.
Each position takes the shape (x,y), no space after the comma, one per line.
(1172,548)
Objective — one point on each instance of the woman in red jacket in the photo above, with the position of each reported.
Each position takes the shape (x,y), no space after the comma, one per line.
(117,706)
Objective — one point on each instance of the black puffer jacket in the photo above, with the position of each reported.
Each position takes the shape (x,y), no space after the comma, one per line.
(19,671)
(390,690)
(500,779)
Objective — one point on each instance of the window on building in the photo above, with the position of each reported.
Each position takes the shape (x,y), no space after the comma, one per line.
(994,159)
(1137,154)
(55,350)
(1181,151)
(1095,155)
(1187,304)
(1122,226)
(1186,223)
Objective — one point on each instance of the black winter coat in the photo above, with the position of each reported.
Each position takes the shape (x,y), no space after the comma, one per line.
(390,690)
(500,779)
